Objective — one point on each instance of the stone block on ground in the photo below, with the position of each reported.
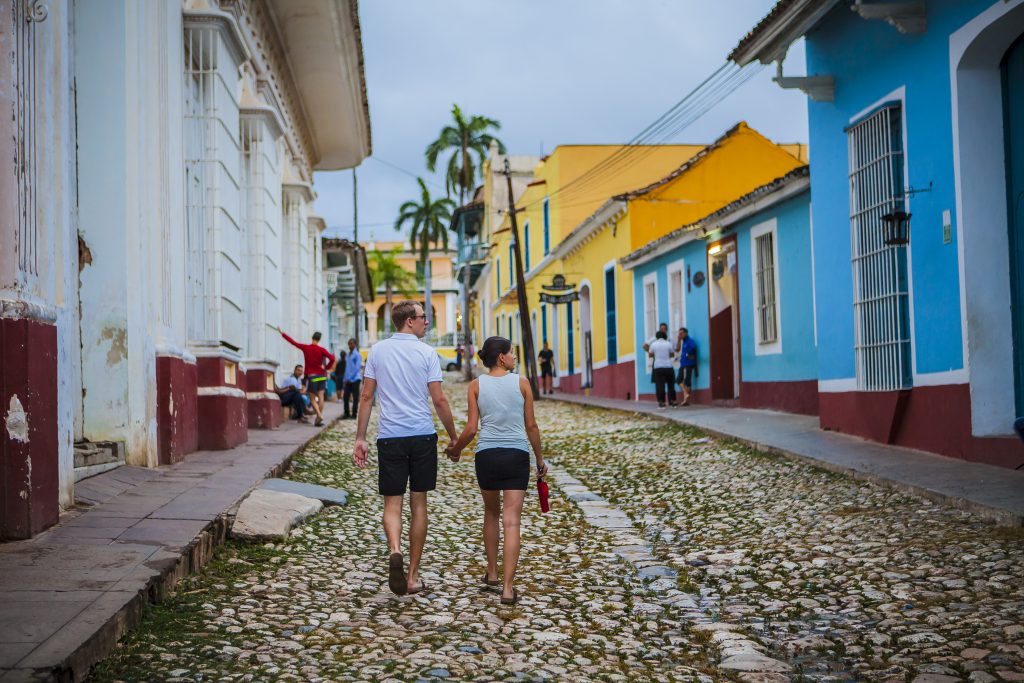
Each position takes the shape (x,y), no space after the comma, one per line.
(270,515)
(325,494)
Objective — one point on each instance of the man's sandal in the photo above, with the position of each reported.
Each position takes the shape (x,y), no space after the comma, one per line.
(511,601)
(397,582)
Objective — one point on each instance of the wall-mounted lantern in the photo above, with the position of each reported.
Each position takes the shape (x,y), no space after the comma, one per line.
(896,228)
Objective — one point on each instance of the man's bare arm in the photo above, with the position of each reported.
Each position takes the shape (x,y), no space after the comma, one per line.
(361,450)
(444,411)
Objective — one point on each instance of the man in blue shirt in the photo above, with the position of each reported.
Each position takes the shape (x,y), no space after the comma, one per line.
(293,394)
(686,350)
(351,381)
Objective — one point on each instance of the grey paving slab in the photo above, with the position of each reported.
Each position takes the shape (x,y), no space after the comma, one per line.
(165,532)
(25,622)
(12,653)
(996,493)
(325,494)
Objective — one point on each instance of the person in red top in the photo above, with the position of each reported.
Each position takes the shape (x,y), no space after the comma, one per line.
(318,362)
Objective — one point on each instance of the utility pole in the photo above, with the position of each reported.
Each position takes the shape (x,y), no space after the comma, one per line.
(524,313)
(355,271)
(466,370)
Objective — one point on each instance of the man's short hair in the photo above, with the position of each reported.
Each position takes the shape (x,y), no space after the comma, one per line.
(402,311)
(662,324)
(316,336)
(683,329)
(661,335)
(353,341)
(296,368)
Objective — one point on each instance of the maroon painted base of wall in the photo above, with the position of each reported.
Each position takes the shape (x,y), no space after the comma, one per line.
(935,419)
(29,475)
(223,422)
(264,413)
(569,384)
(177,426)
(223,417)
(788,397)
(611,381)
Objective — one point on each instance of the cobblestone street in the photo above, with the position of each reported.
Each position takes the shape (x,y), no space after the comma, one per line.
(707,562)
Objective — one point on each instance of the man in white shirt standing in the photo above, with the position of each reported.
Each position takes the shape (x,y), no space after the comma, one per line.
(662,374)
(406,375)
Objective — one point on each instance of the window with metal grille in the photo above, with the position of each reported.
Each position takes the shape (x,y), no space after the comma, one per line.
(764,279)
(880,278)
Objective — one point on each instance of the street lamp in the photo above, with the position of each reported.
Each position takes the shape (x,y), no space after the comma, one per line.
(896,228)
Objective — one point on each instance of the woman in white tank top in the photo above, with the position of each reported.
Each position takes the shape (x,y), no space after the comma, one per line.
(501,405)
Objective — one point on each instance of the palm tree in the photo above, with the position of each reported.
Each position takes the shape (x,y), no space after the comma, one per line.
(462,136)
(388,273)
(429,220)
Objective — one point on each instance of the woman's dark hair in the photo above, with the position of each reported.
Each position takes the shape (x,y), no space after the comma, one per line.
(492,348)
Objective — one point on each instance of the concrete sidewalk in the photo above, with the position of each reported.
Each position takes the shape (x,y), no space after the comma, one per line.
(69,594)
(992,492)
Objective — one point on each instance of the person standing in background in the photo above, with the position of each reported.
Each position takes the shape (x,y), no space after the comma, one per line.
(661,350)
(318,362)
(352,380)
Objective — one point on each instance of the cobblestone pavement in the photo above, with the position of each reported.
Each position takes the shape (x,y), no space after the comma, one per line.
(807,574)
(317,607)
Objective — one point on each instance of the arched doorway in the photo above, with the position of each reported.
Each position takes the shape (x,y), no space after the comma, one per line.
(586,334)
(987,138)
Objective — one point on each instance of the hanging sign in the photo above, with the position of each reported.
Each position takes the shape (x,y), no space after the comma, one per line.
(558,284)
(559,298)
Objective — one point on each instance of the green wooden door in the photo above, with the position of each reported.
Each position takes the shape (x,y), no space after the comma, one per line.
(1013,101)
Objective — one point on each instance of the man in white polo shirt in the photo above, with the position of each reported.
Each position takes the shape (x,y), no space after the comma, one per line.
(406,375)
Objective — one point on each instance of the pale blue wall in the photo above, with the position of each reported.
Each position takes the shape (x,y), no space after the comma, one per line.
(798,360)
(695,300)
(869,60)
(799,357)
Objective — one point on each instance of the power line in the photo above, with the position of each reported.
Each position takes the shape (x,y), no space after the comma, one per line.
(706,95)
(398,168)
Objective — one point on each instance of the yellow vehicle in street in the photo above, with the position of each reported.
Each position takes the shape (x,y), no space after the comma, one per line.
(449,357)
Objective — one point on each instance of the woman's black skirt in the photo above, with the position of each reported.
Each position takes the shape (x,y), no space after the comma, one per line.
(503,469)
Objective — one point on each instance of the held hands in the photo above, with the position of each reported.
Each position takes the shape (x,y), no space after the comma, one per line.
(453,453)
(359,453)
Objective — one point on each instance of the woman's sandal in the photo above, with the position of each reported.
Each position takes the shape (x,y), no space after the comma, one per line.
(511,601)
(418,589)
(491,582)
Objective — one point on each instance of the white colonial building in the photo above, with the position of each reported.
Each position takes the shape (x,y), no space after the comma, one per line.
(156,191)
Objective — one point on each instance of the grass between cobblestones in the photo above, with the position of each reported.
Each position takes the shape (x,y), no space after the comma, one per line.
(316,607)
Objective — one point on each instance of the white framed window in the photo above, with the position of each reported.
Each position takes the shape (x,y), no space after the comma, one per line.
(676,298)
(764,264)
(880,272)
(650,283)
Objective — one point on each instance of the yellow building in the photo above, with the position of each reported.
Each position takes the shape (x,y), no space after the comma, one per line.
(444,293)
(586,207)
(566,187)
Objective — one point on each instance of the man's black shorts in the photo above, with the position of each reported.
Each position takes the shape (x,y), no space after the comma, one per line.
(316,383)
(406,459)
(545,370)
(685,376)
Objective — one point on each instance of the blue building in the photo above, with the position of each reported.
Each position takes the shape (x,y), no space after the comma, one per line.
(916,116)
(740,280)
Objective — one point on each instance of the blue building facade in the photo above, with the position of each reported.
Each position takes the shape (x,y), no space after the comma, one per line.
(914,110)
(741,282)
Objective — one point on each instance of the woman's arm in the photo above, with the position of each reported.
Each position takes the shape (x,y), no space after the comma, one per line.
(472,419)
(532,430)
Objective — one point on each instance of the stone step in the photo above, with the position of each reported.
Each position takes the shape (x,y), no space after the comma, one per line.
(92,453)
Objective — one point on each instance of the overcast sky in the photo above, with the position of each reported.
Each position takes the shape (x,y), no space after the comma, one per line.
(552,72)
